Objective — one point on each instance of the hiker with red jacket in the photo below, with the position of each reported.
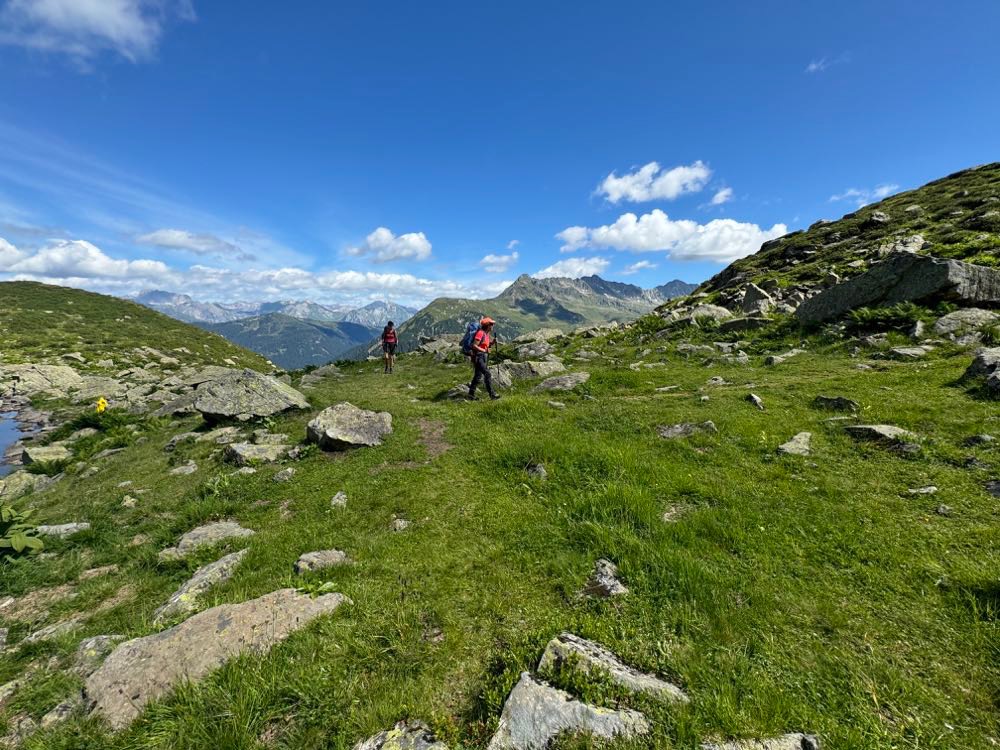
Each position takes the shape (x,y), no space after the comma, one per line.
(480,353)
(389,341)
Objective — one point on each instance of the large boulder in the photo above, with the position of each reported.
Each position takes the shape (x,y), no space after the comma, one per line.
(33,454)
(756,301)
(344,425)
(986,363)
(245,395)
(185,599)
(144,669)
(536,713)
(563,382)
(46,380)
(905,277)
(580,655)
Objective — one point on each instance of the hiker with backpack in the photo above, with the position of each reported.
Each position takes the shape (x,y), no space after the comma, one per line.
(476,345)
(389,341)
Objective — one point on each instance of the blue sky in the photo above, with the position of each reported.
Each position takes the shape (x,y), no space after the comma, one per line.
(353,151)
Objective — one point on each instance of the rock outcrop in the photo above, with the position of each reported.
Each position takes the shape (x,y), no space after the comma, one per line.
(563,382)
(245,395)
(206,536)
(185,599)
(345,426)
(905,277)
(144,669)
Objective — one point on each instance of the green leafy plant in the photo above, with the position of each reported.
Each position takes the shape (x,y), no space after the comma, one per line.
(17,536)
(898,316)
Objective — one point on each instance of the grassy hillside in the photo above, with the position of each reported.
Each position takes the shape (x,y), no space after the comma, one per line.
(783,593)
(958,217)
(40,323)
(292,343)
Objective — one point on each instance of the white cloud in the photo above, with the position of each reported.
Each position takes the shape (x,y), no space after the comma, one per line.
(498,263)
(721,240)
(574,268)
(513,244)
(80,259)
(722,196)
(642,265)
(651,182)
(82,29)
(197,243)
(864,196)
(9,255)
(825,63)
(383,246)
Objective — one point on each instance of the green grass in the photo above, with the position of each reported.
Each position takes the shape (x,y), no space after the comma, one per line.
(40,323)
(791,594)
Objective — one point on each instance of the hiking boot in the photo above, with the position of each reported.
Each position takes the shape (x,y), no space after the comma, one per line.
(494,397)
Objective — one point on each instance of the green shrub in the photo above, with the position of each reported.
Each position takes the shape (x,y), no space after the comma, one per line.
(899,316)
(17,536)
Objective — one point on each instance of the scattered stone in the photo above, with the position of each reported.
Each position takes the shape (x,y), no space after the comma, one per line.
(525,370)
(406,735)
(563,382)
(184,469)
(144,669)
(536,713)
(973,440)
(909,352)
(928,490)
(339,500)
(777,359)
(399,524)
(129,502)
(345,426)
(63,530)
(836,403)
(685,429)
(245,395)
(206,536)
(943,510)
(178,439)
(604,582)
(905,277)
(967,318)
(993,487)
(45,453)
(586,657)
(667,388)
(247,454)
(185,599)
(797,446)
(285,475)
(794,741)
(21,483)
(61,712)
(4,633)
(92,651)
(98,572)
(326,558)
(884,434)
(717,380)
(55,630)
(537,471)
(556,404)
(245,470)
(756,400)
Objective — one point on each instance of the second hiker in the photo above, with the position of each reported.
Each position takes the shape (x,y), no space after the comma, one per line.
(389,341)
(480,347)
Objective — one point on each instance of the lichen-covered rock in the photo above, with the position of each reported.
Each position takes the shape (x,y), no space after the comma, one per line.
(144,669)
(526,370)
(536,713)
(63,530)
(33,454)
(92,651)
(604,581)
(578,654)
(685,429)
(185,599)
(406,735)
(248,454)
(960,320)
(20,483)
(326,558)
(345,426)
(563,382)
(206,536)
(245,395)
(797,446)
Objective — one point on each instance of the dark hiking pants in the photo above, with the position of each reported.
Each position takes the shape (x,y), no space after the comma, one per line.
(480,372)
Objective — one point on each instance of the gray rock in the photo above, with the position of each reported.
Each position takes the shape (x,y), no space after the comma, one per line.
(285,475)
(206,536)
(63,530)
(930,489)
(836,403)
(536,713)
(970,317)
(528,370)
(4,633)
(55,630)
(184,469)
(185,599)
(563,382)
(797,446)
(33,454)
(905,277)
(974,440)
(20,483)
(345,426)
(339,500)
(180,438)
(61,712)
(794,741)
(406,735)
(604,582)
(685,429)
(145,669)
(735,325)
(537,471)
(777,359)
(580,655)
(311,379)
(399,524)
(248,454)
(756,400)
(756,300)
(943,510)
(885,434)
(92,651)
(320,559)
(710,311)
(909,352)
(986,363)
(246,395)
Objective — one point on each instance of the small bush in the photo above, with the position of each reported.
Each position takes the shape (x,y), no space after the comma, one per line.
(899,316)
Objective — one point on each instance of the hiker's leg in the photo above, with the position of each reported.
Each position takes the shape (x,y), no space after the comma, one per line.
(477,375)
(488,379)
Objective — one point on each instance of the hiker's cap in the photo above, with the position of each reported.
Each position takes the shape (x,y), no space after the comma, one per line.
(487,321)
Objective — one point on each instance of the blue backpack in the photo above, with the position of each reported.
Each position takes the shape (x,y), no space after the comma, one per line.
(470,333)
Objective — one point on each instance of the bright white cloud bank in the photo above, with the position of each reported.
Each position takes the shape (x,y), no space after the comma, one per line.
(82,29)
(81,264)
(652,182)
(721,240)
(864,196)
(383,246)
(574,268)
(498,263)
